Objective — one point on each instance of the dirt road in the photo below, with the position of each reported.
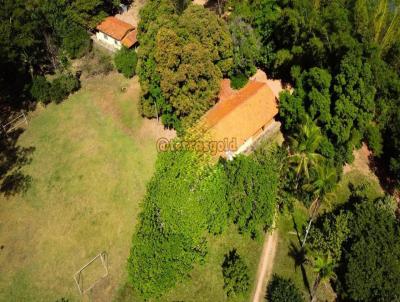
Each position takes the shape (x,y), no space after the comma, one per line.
(265,265)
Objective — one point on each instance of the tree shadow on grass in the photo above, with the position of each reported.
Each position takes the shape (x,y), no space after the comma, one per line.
(299,255)
(12,159)
(296,228)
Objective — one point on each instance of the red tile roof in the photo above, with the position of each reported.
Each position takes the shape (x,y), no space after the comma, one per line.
(241,115)
(226,90)
(115,28)
(130,39)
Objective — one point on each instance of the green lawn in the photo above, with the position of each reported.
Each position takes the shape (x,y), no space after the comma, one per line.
(285,265)
(374,189)
(91,161)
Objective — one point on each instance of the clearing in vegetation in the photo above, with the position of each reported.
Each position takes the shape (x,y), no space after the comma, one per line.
(93,155)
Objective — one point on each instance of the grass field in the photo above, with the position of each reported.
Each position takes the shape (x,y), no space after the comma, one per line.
(92,157)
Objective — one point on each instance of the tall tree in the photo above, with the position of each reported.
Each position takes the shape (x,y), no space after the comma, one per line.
(303,148)
(370,266)
(324,267)
(189,79)
(246,47)
(322,185)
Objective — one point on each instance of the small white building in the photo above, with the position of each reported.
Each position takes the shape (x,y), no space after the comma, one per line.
(114,33)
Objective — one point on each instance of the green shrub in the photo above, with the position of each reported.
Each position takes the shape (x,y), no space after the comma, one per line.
(76,42)
(40,89)
(185,199)
(252,192)
(238,81)
(236,274)
(283,290)
(125,61)
(62,86)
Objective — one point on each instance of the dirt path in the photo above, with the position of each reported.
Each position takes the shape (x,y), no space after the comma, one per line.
(265,265)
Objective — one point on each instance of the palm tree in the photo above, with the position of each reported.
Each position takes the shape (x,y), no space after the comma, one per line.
(321,187)
(324,267)
(303,148)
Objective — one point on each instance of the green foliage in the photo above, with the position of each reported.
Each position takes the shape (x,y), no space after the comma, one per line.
(246,47)
(125,61)
(189,79)
(56,90)
(89,13)
(252,192)
(329,233)
(343,62)
(238,81)
(235,273)
(282,290)
(371,258)
(344,115)
(76,42)
(324,267)
(180,5)
(363,238)
(40,89)
(39,34)
(181,61)
(62,86)
(377,22)
(185,198)
(303,148)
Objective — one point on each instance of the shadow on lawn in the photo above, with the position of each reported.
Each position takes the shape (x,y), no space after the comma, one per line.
(299,255)
(12,159)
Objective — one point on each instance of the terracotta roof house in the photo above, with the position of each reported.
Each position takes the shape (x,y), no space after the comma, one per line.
(240,118)
(115,33)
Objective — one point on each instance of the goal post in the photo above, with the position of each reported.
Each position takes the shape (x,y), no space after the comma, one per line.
(15,123)
(79,275)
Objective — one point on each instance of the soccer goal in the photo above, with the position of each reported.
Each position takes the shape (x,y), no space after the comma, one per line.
(91,273)
(15,123)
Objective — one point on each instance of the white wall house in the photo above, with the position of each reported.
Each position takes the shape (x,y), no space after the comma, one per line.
(114,33)
(102,37)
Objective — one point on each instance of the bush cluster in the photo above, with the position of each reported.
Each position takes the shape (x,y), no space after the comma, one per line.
(125,61)
(55,90)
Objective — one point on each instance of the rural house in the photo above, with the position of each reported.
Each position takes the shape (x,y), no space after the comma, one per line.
(113,33)
(241,117)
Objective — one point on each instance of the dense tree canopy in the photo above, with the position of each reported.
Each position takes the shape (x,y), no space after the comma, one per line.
(36,36)
(371,260)
(342,58)
(362,236)
(182,59)
(252,192)
(246,47)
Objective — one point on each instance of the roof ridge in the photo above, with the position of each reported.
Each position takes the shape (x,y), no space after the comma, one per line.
(239,97)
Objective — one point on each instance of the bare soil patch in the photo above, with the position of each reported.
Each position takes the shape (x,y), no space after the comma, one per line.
(362,161)
(132,14)
(265,265)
